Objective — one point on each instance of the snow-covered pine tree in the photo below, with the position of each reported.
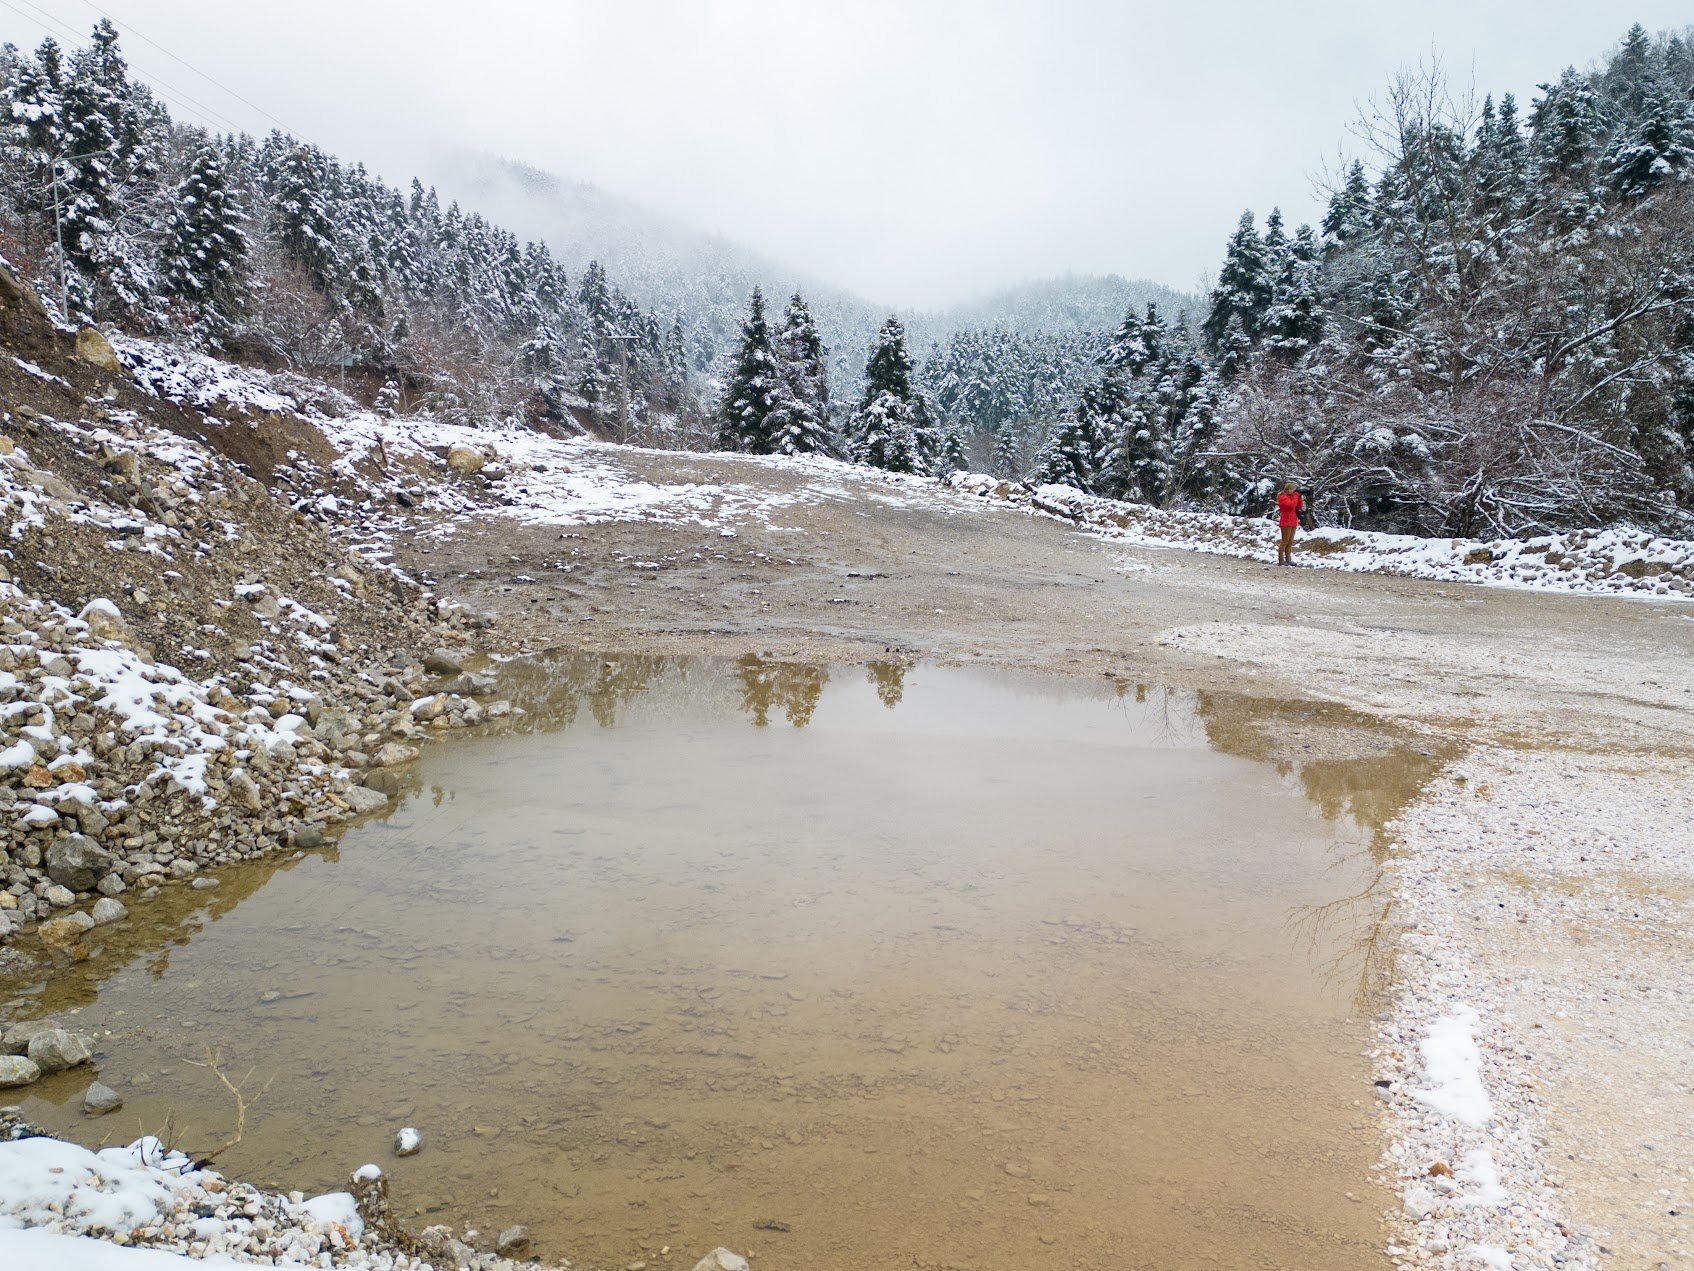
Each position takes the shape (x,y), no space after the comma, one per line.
(744,414)
(950,452)
(1349,215)
(1140,463)
(893,427)
(887,435)
(1005,461)
(1067,456)
(109,281)
(1566,126)
(302,219)
(1658,148)
(35,125)
(799,420)
(204,259)
(1195,471)
(1243,291)
(1294,321)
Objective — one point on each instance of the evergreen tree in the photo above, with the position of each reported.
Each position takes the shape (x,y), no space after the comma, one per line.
(1625,78)
(1068,456)
(36,123)
(1005,460)
(893,428)
(1294,321)
(950,454)
(799,418)
(302,218)
(889,369)
(1565,125)
(205,255)
(1658,148)
(93,193)
(1349,215)
(1243,292)
(744,415)
(888,435)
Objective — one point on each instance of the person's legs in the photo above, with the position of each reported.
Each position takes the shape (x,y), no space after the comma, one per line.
(1285,556)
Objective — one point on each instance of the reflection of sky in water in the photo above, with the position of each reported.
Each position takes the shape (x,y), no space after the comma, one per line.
(831,946)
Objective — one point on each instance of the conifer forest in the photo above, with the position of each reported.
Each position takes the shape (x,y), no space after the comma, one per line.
(1491,332)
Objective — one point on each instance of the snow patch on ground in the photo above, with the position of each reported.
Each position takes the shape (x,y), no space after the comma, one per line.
(1615,561)
(1453,1066)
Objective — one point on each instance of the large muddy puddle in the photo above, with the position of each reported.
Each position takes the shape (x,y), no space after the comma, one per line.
(848,967)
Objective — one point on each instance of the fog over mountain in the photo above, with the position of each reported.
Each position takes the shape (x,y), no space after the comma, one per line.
(703,279)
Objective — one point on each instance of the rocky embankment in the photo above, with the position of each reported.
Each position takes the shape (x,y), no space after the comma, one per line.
(192,671)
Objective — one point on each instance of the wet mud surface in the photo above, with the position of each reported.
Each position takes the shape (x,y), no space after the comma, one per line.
(850,966)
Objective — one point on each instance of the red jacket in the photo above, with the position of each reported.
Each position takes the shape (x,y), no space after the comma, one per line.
(1288,508)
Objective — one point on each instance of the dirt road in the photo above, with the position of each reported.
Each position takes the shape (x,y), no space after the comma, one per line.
(957,578)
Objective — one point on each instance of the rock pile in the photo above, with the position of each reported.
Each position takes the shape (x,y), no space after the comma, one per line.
(146,1196)
(117,773)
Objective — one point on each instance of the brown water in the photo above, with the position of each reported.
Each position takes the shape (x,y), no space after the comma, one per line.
(846,968)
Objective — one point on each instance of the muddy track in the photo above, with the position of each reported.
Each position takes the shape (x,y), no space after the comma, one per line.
(962,581)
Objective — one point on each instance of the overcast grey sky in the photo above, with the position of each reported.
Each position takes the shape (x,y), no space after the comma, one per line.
(917,153)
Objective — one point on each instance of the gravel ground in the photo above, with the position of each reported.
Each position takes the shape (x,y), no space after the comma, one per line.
(1553,893)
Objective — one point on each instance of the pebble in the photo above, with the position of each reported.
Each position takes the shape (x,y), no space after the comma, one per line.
(408,1142)
(204,884)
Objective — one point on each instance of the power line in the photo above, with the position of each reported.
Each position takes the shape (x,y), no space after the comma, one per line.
(132,30)
(174,95)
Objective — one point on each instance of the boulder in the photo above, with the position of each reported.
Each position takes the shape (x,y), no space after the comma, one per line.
(512,1241)
(98,1100)
(383,782)
(17,1038)
(107,910)
(104,621)
(428,708)
(62,937)
(96,350)
(408,1142)
(464,459)
(721,1259)
(78,862)
(363,801)
(442,662)
(57,1049)
(307,836)
(14,295)
(471,684)
(392,754)
(15,1070)
(244,790)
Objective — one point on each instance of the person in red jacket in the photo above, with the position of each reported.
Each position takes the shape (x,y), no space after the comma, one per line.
(1288,505)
